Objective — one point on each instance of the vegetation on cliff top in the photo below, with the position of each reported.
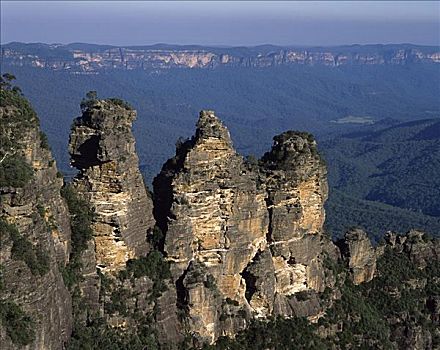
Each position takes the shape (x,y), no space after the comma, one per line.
(14,170)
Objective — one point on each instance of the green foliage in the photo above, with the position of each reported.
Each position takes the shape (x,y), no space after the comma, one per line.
(120,102)
(22,249)
(153,266)
(25,116)
(362,322)
(156,237)
(18,325)
(274,334)
(44,142)
(370,312)
(15,172)
(92,95)
(89,101)
(394,164)
(97,335)
(345,211)
(81,217)
(41,210)
(117,302)
(232,302)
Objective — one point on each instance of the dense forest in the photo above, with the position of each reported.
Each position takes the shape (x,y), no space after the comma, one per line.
(387,175)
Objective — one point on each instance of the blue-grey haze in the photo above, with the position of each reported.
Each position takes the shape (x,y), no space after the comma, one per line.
(221,22)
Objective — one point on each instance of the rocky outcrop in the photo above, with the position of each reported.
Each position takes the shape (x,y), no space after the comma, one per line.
(102,148)
(296,184)
(35,234)
(359,254)
(242,239)
(217,223)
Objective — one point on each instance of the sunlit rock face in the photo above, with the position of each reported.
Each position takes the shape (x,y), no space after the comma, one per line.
(241,238)
(217,221)
(102,148)
(295,181)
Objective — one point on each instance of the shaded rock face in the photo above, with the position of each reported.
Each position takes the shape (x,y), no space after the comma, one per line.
(35,240)
(360,255)
(102,148)
(241,239)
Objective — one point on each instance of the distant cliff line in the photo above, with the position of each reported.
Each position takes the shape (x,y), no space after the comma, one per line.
(81,57)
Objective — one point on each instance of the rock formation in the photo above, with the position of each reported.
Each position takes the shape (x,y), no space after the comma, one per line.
(296,184)
(242,240)
(360,255)
(235,241)
(217,223)
(35,306)
(102,148)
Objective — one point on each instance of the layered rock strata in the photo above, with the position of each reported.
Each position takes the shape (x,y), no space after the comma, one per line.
(102,148)
(34,232)
(242,239)
(296,185)
(87,59)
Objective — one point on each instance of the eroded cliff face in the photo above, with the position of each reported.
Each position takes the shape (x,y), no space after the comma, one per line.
(34,232)
(296,185)
(242,239)
(217,224)
(359,255)
(75,59)
(102,148)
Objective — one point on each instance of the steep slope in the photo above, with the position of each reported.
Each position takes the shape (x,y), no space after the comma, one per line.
(35,305)
(397,309)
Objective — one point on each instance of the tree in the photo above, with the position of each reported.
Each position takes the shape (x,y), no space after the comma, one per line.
(5,81)
(92,95)
(89,100)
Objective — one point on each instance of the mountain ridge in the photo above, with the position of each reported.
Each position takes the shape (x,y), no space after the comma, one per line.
(84,57)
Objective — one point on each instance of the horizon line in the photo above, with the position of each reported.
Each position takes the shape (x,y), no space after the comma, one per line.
(219,45)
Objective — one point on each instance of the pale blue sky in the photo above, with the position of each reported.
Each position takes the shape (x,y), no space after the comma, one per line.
(221,22)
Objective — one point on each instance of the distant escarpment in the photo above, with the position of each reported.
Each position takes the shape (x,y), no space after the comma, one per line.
(95,58)
(35,236)
(229,252)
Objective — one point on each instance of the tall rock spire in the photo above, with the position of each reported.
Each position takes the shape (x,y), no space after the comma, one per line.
(102,148)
